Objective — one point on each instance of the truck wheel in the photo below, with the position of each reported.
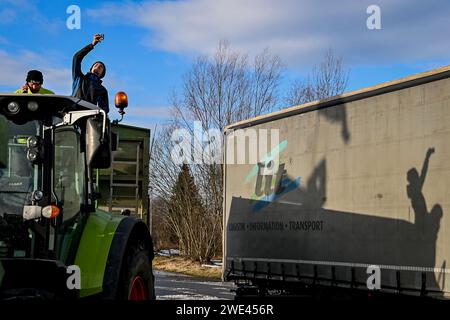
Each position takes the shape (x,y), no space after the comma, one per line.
(138,279)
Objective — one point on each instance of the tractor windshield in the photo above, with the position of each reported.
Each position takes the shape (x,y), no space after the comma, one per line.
(18,177)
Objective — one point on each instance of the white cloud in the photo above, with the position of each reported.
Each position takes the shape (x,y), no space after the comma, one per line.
(298,31)
(14,68)
(29,13)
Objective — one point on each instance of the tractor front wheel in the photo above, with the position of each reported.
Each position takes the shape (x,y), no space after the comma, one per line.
(138,279)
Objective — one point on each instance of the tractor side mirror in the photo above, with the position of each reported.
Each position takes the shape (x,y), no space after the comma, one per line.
(98,148)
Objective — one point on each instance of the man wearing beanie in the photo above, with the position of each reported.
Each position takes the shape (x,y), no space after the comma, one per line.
(89,86)
(33,84)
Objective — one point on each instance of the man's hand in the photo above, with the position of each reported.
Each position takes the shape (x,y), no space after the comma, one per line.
(97,39)
(25,88)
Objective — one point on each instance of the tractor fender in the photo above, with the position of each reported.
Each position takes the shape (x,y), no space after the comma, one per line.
(93,250)
(128,230)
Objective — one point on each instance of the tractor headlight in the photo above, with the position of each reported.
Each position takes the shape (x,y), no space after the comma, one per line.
(13,107)
(32,155)
(35,152)
(33,142)
(32,106)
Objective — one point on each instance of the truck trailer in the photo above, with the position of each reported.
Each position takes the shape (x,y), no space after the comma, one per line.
(351,193)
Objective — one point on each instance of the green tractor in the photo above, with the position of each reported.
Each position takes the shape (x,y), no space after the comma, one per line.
(54,241)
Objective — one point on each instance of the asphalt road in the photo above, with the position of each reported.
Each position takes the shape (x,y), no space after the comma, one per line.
(173,286)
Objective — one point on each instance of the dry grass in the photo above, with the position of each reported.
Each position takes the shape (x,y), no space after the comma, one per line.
(185,266)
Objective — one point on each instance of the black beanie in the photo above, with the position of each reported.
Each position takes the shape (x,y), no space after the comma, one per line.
(35,75)
(104,68)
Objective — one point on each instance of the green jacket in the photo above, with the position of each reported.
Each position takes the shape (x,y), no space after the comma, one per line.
(41,91)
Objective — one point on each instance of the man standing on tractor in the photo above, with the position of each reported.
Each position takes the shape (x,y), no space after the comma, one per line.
(33,84)
(89,86)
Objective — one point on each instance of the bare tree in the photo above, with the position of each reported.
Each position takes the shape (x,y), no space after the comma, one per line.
(164,171)
(163,235)
(163,176)
(224,88)
(328,79)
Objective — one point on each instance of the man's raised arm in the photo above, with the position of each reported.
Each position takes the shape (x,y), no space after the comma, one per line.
(76,62)
(77,59)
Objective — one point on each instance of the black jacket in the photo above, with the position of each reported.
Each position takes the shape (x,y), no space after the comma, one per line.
(88,86)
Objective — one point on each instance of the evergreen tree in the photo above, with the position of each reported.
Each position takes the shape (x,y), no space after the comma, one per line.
(188,217)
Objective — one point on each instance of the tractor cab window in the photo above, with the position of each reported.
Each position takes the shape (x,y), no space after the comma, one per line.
(69,175)
(18,177)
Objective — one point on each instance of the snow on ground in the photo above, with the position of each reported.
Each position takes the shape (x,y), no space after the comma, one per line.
(173,286)
(168,252)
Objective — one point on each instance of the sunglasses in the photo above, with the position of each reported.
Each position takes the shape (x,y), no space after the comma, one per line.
(35,82)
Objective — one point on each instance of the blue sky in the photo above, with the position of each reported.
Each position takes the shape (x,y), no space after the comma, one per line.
(149,45)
